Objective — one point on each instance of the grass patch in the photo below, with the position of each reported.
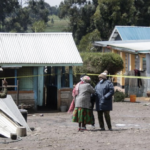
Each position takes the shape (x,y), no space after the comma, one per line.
(58,26)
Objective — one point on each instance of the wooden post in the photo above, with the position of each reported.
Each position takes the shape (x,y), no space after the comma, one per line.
(16,79)
(59,78)
(132,62)
(40,85)
(58,99)
(35,82)
(148,71)
(115,78)
(70,77)
(141,62)
(122,81)
(63,77)
(17,92)
(103,50)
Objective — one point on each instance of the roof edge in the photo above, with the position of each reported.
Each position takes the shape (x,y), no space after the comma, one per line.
(42,33)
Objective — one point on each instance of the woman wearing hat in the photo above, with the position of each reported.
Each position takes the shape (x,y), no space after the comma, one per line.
(82,112)
(104,92)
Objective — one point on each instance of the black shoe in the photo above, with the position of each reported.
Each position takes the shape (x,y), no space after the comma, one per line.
(110,129)
(102,129)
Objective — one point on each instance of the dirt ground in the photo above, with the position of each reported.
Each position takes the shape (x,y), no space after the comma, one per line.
(56,131)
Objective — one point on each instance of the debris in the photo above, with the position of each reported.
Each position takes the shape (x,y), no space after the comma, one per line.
(147,104)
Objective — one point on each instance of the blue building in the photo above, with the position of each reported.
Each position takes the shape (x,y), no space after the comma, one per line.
(26,56)
(132,43)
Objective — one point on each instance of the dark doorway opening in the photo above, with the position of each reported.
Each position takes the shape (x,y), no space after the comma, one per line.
(51,101)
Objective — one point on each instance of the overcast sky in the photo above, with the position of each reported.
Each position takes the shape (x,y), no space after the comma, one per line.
(53,2)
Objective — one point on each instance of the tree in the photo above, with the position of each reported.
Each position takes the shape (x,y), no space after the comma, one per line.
(37,10)
(79,13)
(113,12)
(142,12)
(38,26)
(6,8)
(18,21)
(86,43)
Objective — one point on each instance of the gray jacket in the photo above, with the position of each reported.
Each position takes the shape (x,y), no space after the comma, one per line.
(83,99)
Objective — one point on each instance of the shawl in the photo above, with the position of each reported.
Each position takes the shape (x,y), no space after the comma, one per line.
(75,92)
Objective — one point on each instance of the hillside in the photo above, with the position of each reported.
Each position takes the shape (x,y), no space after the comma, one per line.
(57,25)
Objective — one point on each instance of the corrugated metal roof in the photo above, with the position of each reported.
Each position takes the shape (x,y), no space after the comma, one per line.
(133,46)
(8,106)
(39,49)
(131,33)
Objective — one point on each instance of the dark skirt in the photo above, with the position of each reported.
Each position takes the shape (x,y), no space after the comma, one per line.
(82,115)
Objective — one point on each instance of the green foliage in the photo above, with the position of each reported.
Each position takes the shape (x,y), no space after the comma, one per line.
(17,22)
(59,24)
(80,14)
(86,43)
(119,96)
(38,26)
(96,63)
(38,10)
(142,12)
(114,12)
(6,8)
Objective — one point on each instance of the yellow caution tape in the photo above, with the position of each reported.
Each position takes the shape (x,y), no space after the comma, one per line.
(89,74)
(121,76)
(29,76)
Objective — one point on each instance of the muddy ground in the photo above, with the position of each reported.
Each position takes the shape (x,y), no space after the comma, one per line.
(55,131)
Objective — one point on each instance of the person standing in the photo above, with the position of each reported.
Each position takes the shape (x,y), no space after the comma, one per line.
(74,94)
(82,112)
(104,92)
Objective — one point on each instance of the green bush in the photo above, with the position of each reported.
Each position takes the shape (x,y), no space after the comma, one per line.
(96,63)
(119,96)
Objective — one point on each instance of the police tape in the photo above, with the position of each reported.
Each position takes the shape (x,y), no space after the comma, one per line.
(89,74)
(121,76)
(28,76)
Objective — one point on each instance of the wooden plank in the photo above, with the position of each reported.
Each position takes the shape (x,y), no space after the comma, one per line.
(20,92)
(23,96)
(8,86)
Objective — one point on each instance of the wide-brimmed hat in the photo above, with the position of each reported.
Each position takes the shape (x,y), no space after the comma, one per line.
(86,79)
(103,75)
